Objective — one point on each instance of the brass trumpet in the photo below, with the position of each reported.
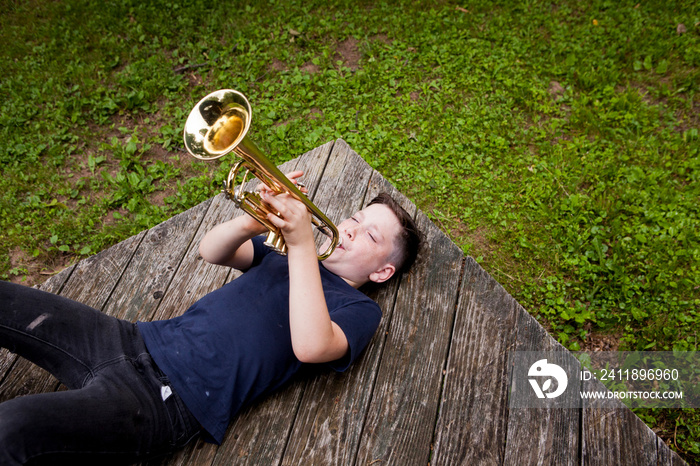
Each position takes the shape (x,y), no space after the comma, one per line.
(218,125)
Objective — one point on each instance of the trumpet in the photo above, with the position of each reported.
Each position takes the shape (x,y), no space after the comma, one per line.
(218,125)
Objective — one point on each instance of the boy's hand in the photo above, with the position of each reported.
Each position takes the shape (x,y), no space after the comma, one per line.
(251,224)
(294,176)
(294,220)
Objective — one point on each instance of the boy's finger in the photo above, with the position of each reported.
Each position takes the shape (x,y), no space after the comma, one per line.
(276,221)
(277,202)
(295,174)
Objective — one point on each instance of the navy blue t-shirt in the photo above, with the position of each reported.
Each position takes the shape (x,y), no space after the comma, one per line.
(234,344)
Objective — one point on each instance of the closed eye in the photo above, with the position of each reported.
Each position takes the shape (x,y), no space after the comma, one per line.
(370,234)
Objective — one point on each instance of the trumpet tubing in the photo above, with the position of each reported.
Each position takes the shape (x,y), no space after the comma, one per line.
(217,126)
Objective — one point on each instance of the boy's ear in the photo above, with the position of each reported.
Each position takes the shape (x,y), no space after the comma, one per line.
(382,274)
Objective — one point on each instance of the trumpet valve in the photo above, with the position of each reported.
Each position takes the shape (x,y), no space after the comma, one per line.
(275,241)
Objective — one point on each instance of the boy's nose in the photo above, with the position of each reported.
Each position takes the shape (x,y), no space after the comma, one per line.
(350,231)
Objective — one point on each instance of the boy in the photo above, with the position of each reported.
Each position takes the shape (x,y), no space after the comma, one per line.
(145,389)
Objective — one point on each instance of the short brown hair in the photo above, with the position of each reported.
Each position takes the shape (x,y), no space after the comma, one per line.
(409,240)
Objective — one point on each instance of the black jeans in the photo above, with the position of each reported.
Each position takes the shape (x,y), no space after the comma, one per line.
(114,411)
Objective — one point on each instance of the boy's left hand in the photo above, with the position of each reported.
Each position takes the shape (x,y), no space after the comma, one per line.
(294,220)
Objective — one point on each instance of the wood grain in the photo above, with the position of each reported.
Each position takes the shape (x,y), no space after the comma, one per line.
(471,428)
(91,282)
(613,434)
(544,435)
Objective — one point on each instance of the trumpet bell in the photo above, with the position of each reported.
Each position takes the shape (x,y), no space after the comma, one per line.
(217,124)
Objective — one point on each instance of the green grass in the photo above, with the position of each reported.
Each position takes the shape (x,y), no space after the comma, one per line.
(556,143)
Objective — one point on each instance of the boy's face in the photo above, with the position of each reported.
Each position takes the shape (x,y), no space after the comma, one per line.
(367,245)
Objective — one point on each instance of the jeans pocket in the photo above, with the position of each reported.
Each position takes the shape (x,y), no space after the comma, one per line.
(185,425)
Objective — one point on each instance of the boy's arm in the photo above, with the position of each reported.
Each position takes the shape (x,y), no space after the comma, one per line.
(315,338)
(229,243)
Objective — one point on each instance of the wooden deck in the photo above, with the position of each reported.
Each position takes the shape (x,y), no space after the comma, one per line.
(432,387)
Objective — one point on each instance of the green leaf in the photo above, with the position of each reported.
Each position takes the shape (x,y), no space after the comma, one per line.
(662,67)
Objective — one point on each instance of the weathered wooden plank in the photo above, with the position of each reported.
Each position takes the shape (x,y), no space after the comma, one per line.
(94,278)
(344,183)
(147,276)
(401,417)
(383,410)
(259,434)
(7,360)
(195,277)
(471,428)
(544,435)
(612,434)
(328,427)
(313,163)
(56,282)
(666,456)
(23,378)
